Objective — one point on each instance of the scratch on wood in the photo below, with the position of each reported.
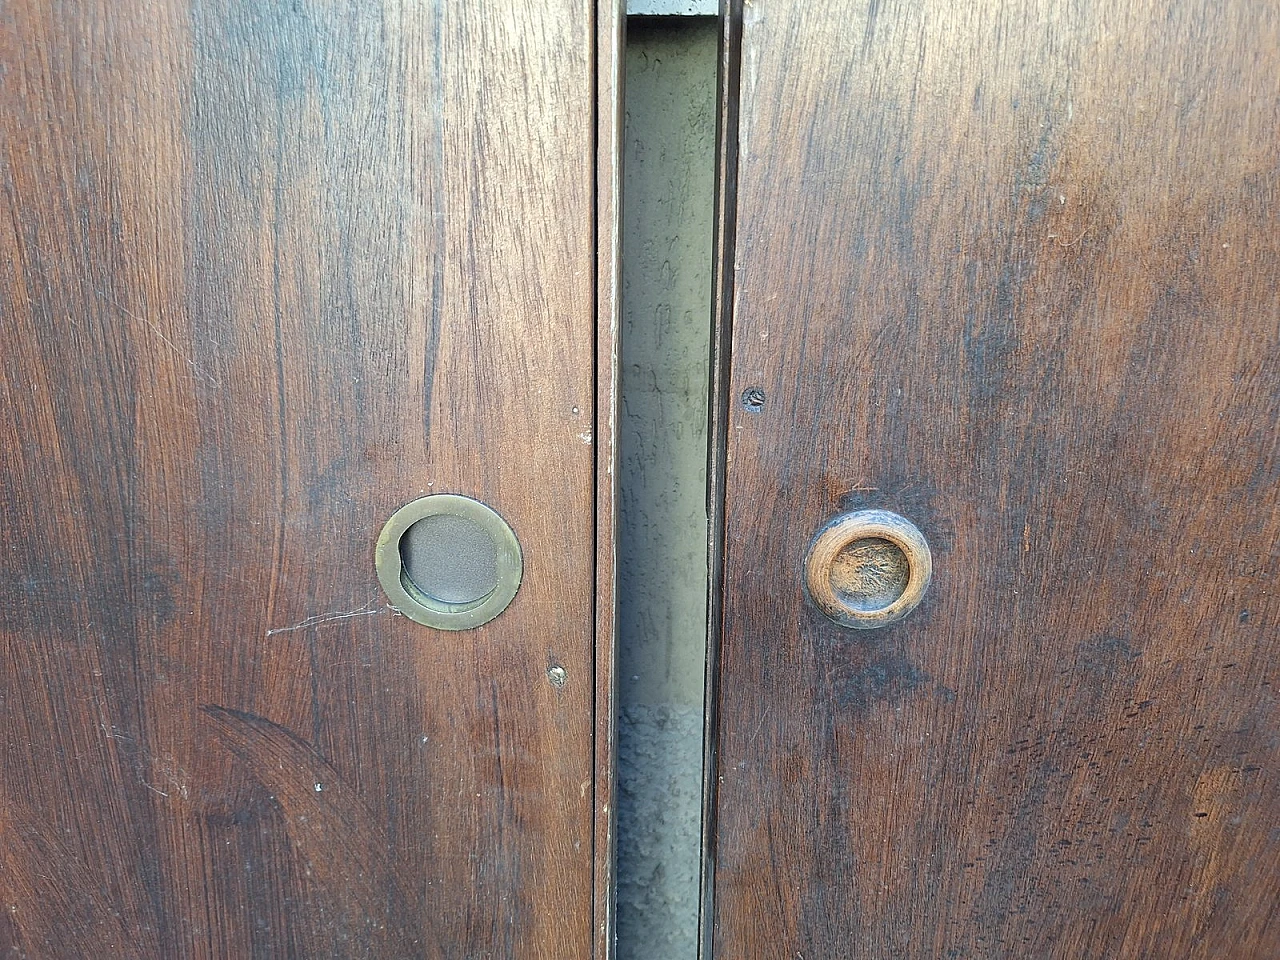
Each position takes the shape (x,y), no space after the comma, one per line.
(367,610)
(1084,233)
(111,733)
(348,853)
(155,328)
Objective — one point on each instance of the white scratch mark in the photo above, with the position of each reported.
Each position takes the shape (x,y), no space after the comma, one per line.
(111,734)
(155,328)
(764,718)
(367,610)
(1054,236)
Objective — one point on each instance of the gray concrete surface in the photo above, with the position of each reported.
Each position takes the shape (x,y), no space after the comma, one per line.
(673,8)
(662,545)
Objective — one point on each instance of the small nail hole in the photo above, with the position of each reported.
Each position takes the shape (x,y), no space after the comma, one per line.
(558,676)
(753,399)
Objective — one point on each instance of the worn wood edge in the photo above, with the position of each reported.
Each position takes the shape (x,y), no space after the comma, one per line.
(609,37)
(717,433)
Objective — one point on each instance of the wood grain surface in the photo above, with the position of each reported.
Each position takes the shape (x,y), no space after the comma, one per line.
(269,271)
(611,25)
(1009,269)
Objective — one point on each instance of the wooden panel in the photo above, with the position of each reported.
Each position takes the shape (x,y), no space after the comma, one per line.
(611,23)
(1009,269)
(271,270)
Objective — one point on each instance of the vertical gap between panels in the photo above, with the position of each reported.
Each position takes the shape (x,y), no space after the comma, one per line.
(721,342)
(726,190)
(669,168)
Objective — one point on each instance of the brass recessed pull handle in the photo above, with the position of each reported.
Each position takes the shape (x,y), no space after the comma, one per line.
(449,562)
(868,568)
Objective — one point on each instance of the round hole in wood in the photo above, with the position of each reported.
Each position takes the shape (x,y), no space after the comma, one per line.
(868,568)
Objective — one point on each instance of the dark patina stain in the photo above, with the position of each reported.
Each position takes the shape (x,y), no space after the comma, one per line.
(884,676)
(1106,654)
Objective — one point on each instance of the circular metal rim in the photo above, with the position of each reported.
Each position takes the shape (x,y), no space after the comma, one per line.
(860,525)
(426,610)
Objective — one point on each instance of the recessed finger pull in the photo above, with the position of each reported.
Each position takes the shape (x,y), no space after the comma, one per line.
(449,562)
(868,568)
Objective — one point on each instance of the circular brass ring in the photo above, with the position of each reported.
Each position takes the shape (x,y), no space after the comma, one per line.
(417,605)
(868,569)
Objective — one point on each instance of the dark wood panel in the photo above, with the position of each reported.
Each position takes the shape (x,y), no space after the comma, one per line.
(271,270)
(1009,269)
